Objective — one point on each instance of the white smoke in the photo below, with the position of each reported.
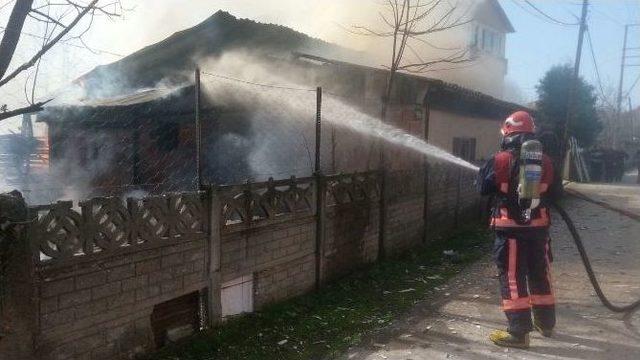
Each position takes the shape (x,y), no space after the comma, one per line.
(285,110)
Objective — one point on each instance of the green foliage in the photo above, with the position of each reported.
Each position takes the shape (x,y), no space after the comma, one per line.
(326,323)
(553,96)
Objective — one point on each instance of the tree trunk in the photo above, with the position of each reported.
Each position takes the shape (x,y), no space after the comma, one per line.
(12,33)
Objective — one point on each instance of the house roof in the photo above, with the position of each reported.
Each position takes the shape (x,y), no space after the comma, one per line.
(173,59)
(179,100)
(138,97)
(441,94)
(108,111)
(492,11)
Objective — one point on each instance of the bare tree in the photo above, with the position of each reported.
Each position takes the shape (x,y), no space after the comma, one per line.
(409,24)
(64,20)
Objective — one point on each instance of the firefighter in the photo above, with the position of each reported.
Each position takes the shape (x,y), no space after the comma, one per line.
(521,248)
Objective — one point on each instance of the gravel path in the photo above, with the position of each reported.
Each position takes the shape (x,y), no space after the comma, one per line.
(455,323)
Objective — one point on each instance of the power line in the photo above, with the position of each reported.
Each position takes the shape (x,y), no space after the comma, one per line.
(549,16)
(256,84)
(523,8)
(623,65)
(633,86)
(539,14)
(606,16)
(595,65)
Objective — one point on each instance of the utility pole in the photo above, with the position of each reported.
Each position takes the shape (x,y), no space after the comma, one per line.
(573,89)
(623,65)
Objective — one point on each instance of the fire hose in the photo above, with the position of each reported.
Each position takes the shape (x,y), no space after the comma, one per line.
(587,264)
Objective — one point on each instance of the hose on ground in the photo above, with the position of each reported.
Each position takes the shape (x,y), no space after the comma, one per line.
(587,264)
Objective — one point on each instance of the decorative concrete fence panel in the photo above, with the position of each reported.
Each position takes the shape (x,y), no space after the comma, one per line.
(268,241)
(350,223)
(104,272)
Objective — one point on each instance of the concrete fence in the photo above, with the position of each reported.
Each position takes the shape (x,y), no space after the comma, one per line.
(111,279)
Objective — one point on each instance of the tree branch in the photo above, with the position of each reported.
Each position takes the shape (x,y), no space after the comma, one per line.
(39,106)
(12,34)
(47,18)
(46,47)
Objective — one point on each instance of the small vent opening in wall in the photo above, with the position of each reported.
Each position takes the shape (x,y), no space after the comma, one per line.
(177,318)
(237,296)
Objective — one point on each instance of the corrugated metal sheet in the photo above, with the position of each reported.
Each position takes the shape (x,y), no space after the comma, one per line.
(139,97)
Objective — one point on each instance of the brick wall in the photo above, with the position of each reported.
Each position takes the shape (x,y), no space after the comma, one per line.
(470,203)
(284,280)
(452,199)
(101,309)
(350,224)
(404,227)
(280,257)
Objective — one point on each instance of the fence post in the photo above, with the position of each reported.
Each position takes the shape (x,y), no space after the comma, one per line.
(320,191)
(214,308)
(198,130)
(320,233)
(318,144)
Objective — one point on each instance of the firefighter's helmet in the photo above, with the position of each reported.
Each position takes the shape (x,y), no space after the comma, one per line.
(518,122)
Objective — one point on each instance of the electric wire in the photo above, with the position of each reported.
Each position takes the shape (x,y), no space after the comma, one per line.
(273,86)
(255,83)
(537,16)
(633,85)
(595,66)
(605,16)
(560,22)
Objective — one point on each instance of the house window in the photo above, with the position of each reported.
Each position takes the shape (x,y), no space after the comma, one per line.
(465,148)
(494,42)
(476,34)
(484,39)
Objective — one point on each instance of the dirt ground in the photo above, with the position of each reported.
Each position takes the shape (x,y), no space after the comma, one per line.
(455,323)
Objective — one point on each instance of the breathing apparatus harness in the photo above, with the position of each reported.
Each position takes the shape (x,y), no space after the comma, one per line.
(524,198)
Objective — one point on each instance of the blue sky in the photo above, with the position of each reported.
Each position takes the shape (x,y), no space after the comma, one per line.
(538,44)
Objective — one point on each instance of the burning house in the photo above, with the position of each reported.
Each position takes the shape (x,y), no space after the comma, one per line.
(107,142)
(23,156)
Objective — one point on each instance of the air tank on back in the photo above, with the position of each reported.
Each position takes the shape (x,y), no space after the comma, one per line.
(530,175)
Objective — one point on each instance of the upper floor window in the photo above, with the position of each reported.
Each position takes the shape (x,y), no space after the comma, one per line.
(488,40)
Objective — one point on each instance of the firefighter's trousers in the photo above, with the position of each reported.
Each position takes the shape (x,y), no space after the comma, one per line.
(523,261)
